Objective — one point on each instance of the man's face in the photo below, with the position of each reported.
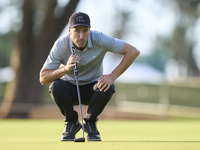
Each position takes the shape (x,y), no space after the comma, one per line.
(79,36)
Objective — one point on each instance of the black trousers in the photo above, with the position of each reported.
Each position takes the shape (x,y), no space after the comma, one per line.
(64,94)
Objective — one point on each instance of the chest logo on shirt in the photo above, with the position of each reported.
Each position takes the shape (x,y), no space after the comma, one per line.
(80,19)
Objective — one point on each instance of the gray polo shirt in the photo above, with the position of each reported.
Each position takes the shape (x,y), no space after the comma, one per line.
(90,66)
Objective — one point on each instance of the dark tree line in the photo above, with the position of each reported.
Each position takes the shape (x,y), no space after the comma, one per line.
(30,52)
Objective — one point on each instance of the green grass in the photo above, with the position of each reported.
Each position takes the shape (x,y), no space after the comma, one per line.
(116,135)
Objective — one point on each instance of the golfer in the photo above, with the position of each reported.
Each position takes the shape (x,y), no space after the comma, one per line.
(96,89)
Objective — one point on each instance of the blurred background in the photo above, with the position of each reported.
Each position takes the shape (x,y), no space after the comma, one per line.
(163,81)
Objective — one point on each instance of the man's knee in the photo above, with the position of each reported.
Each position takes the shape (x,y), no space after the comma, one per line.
(111,90)
(56,87)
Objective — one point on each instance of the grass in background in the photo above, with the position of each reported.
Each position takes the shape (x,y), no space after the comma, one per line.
(116,135)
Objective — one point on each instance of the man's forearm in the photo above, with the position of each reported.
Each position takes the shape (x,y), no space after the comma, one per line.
(46,75)
(128,58)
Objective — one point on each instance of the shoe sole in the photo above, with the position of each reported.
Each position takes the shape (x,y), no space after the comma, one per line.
(94,140)
(67,140)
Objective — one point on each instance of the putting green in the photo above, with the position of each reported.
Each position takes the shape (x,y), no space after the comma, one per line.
(116,135)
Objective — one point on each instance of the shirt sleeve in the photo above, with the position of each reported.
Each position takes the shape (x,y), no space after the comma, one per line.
(53,61)
(111,44)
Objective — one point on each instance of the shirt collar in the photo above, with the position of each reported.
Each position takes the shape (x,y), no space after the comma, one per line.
(89,45)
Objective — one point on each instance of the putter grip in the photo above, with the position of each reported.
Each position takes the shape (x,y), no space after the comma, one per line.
(75,67)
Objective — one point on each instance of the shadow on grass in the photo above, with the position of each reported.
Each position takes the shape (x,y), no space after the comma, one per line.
(152,141)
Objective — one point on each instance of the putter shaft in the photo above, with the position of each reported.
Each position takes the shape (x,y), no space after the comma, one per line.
(79,97)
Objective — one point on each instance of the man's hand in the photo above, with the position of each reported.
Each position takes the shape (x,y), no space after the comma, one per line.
(105,81)
(73,59)
(46,75)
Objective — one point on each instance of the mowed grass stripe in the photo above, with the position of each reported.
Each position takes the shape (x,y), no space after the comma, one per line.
(134,134)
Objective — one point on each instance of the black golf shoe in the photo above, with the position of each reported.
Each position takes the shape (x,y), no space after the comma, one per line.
(93,133)
(71,128)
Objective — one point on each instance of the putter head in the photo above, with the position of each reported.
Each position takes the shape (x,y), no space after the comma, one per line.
(80,140)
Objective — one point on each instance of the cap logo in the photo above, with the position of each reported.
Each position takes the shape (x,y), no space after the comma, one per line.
(80,19)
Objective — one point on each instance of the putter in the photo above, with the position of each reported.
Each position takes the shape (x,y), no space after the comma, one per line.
(79,98)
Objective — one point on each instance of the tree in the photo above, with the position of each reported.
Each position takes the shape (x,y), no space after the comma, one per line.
(5,48)
(183,46)
(34,41)
(187,15)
